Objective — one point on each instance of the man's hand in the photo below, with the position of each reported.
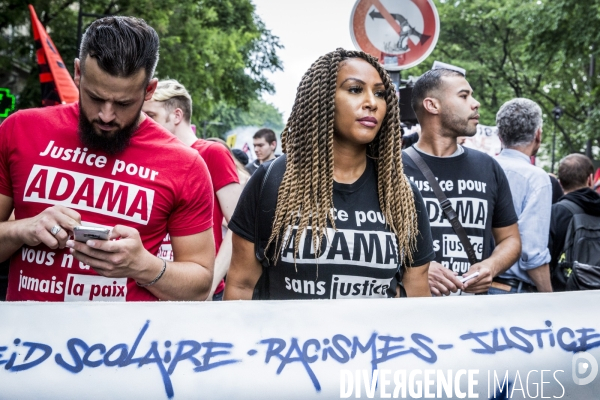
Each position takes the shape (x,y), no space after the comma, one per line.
(482,283)
(36,230)
(442,281)
(187,278)
(125,257)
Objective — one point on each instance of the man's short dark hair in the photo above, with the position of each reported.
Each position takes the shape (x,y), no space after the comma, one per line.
(121,46)
(427,83)
(266,134)
(574,170)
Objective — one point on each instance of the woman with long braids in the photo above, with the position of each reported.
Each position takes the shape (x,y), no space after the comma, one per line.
(341,219)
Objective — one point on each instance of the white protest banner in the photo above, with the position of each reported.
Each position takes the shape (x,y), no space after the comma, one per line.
(486,140)
(511,346)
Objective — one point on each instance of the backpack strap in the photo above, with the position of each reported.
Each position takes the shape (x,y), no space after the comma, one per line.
(444,203)
(265,207)
(263,222)
(573,207)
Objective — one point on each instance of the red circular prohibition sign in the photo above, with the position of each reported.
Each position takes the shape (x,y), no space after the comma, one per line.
(417,52)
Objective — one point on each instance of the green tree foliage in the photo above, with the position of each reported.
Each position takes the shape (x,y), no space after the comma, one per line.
(539,49)
(219,49)
(225,118)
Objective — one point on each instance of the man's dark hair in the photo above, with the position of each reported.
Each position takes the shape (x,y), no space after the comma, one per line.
(574,170)
(266,134)
(121,46)
(427,83)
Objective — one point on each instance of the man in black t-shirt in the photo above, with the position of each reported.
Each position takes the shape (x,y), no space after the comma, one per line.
(473,182)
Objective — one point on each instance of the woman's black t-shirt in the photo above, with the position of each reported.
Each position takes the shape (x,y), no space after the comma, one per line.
(359,260)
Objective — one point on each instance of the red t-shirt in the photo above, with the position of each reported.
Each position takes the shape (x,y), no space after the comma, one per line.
(222,173)
(156,185)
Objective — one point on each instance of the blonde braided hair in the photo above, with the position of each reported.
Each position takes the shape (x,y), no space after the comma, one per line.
(306,192)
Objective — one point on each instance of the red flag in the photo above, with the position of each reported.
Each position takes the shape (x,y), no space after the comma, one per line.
(57,85)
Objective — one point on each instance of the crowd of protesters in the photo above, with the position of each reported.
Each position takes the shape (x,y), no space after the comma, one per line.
(344,213)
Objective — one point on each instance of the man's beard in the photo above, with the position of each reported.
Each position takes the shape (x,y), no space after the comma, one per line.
(459,126)
(112,144)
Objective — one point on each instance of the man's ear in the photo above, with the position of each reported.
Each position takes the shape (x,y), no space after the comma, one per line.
(274,145)
(538,135)
(150,89)
(590,181)
(431,105)
(77,73)
(178,116)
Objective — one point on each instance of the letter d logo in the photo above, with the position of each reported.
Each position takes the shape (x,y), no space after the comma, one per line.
(584,363)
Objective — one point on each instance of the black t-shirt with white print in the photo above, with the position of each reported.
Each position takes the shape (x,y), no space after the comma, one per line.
(360,259)
(480,194)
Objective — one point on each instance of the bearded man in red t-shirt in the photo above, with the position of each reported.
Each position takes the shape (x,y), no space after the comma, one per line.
(171,107)
(102,163)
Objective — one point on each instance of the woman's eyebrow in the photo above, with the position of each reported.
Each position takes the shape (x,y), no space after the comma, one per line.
(360,81)
(352,79)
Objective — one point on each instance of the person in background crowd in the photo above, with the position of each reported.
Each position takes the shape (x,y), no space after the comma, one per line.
(409,139)
(519,123)
(265,143)
(243,174)
(575,173)
(108,165)
(345,221)
(240,156)
(597,181)
(171,107)
(241,160)
(473,181)
(557,191)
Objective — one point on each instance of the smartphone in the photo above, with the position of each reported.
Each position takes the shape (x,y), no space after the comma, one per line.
(463,279)
(85,233)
